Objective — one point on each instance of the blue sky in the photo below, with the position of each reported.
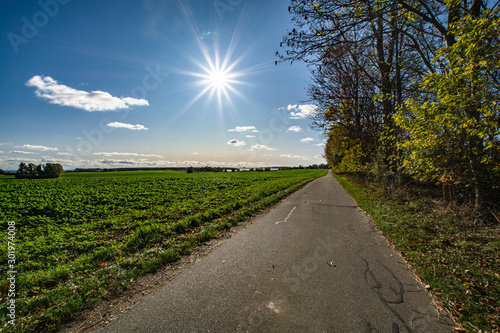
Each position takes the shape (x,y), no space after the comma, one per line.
(107,83)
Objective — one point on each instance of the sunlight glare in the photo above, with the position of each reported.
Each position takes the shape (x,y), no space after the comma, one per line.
(217,75)
(218,79)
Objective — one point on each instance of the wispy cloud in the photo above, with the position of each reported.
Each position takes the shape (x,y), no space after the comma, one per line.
(115,162)
(236,143)
(240,129)
(206,34)
(261,147)
(109,154)
(295,129)
(37,147)
(290,156)
(306,140)
(21,152)
(49,89)
(302,111)
(136,127)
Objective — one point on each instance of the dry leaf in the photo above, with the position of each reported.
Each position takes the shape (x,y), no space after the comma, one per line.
(5,287)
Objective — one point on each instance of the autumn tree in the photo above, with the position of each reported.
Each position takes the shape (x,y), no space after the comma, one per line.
(363,39)
(438,56)
(341,85)
(454,138)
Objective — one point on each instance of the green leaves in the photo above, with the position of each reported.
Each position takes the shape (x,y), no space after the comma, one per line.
(454,140)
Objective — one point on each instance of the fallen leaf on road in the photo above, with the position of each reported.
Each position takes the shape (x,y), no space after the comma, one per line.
(331,263)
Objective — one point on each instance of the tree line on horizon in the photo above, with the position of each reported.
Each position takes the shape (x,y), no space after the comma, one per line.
(405,89)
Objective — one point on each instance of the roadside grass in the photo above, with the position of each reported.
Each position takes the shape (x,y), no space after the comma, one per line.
(458,258)
(78,245)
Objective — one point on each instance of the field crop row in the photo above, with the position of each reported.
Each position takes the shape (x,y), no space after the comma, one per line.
(84,237)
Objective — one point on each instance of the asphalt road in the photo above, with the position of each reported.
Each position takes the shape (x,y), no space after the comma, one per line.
(312,264)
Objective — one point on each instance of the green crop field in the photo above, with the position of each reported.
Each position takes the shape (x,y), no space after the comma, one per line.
(78,239)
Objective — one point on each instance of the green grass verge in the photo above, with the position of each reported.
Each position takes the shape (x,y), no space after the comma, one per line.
(458,259)
(84,239)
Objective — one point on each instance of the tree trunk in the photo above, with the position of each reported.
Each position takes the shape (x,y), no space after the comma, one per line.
(477,182)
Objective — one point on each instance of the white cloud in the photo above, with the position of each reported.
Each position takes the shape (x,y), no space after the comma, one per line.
(49,89)
(302,111)
(290,156)
(320,144)
(36,147)
(295,129)
(195,153)
(21,152)
(306,140)
(126,154)
(206,34)
(48,159)
(64,154)
(136,127)
(244,129)
(261,147)
(13,162)
(236,143)
(250,136)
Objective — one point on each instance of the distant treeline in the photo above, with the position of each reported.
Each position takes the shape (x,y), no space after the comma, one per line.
(202,169)
(32,171)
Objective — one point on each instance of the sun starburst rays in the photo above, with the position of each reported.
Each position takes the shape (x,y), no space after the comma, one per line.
(217,76)
(218,80)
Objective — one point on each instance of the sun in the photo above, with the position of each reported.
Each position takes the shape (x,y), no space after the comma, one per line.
(219,72)
(218,79)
